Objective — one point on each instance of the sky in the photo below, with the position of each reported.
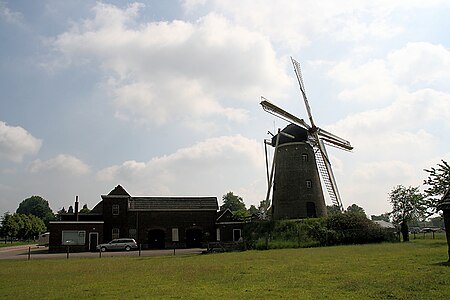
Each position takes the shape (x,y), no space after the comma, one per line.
(163,97)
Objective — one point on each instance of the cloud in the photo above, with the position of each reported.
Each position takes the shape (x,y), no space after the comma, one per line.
(420,65)
(295,24)
(62,163)
(214,166)
(8,15)
(161,72)
(16,142)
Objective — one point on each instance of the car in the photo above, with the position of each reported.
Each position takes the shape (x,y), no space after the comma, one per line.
(118,244)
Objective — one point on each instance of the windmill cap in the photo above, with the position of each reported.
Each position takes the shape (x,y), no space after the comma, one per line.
(300,135)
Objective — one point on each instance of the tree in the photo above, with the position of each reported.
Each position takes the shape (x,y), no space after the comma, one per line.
(382,217)
(333,209)
(37,206)
(253,210)
(60,212)
(70,210)
(407,204)
(438,182)
(85,209)
(232,202)
(21,226)
(235,204)
(355,209)
(264,209)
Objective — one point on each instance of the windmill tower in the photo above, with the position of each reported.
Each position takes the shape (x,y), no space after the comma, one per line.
(299,157)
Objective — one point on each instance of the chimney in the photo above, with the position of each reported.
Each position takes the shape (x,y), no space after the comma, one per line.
(76,208)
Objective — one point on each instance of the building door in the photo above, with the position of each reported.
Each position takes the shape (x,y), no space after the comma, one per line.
(194,238)
(93,241)
(236,235)
(311,210)
(156,239)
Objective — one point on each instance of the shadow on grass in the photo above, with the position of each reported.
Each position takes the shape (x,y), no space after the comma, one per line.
(444,264)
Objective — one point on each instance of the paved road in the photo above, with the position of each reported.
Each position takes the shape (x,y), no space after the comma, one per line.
(21,252)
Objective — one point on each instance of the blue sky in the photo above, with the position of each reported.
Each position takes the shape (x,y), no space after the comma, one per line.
(163,97)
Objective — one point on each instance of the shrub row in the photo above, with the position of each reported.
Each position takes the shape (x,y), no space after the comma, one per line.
(338,229)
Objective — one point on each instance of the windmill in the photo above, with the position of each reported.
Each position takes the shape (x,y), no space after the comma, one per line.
(300,156)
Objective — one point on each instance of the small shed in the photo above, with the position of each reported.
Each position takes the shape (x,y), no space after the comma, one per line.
(444,205)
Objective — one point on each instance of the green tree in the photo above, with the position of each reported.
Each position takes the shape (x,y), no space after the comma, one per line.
(37,206)
(333,209)
(437,183)
(85,209)
(407,205)
(235,204)
(382,217)
(355,209)
(264,209)
(253,210)
(21,226)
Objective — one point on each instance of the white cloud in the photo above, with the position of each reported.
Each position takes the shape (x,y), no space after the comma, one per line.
(16,142)
(214,166)
(8,15)
(420,65)
(166,71)
(295,24)
(62,163)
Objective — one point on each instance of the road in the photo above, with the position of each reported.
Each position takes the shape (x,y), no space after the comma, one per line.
(21,253)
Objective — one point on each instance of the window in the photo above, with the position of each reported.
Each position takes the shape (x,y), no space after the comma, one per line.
(132,233)
(115,209)
(304,157)
(308,184)
(115,233)
(175,237)
(218,234)
(72,237)
(236,235)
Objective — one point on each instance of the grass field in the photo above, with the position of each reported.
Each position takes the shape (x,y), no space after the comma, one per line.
(414,270)
(9,244)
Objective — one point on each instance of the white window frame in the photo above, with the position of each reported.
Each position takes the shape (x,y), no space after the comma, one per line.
(175,235)
(115,209)
(218,234)
(78,237)
(115,233)
(132,233)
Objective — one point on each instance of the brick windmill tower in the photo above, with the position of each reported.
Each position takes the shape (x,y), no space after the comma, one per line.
(301,164)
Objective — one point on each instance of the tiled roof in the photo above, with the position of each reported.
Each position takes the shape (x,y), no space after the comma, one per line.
(173,203)
(118,191)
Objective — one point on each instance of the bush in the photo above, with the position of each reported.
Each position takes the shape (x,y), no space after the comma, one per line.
(338,229)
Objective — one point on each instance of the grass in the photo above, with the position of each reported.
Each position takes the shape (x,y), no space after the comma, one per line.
(9,244)
(414,270)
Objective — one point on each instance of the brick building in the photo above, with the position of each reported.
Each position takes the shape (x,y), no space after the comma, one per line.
(154,222)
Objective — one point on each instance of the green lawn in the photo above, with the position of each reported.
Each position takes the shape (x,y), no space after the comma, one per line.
(414,270)
(9,244)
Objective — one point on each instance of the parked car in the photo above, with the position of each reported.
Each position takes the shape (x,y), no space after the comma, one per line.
(118,244)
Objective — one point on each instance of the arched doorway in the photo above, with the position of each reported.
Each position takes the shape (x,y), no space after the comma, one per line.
(194,238)
(156,239)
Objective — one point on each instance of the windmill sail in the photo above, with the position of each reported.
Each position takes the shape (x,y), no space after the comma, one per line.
(327,176)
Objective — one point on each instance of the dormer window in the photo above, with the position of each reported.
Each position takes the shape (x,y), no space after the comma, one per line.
(115,209)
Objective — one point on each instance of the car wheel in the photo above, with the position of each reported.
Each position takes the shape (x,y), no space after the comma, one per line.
(103,249)
(127,248)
